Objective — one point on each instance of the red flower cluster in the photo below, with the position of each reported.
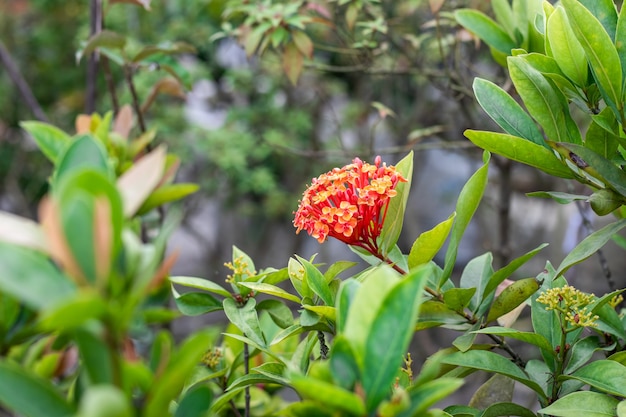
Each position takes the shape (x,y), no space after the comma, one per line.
(349,203)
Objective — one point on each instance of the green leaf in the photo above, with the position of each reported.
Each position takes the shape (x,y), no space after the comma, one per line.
(486,29)
(104,401)
(596,166)
(620,37)
(601,141)
(429,393)
(172,379)
(505,272)
(520,150)
(32,278)
(428,244)
(397,205)
(200,284)
(600,52)
(317,282)
(590,245)
(507,409)
(166,194)
(74,312)
(345,296)
(544,102)
(272,290)
(51,140)
(511,297)
(343,365)
(195,403)
(566,49)
(196,303)
(526,337)
(604,375)
(245,318)
(494,363)
(466,206)
(390,334)
(165,49)
(581,352)
(458,299)
(604,11)
(331,396)
(280,314)
(434,313)
(506,112)
(559,197)
(84,152)
(582,404)
(476,275)
(103,39)
(95,356)
(28,395)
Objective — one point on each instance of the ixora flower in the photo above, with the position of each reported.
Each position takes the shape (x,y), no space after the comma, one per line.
(349,203)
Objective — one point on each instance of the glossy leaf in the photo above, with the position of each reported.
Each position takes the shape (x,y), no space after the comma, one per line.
(526,337)
(486,29)
(86,305)
(511,297)
(166,194)
(506,112)
(605,12)
(458,299)
(397,206)
(544,102)
(505,272)
(317,282)
(195,403)
(271,290)
(343,365)
(603,375)
(492,362)
(28,395)
(345,296)
(566,49)
(430,393)
(200,284)
(600,51)
(280,314)
(428,244)
(466,206)
(245,318)
(507,409)
(590,245)
(165,49)
(582,404)
(476,274)
(51,140)
(84,152)
(390,334)
(333,397)
(196,303)
(95,355)
(520,150)
(559,197)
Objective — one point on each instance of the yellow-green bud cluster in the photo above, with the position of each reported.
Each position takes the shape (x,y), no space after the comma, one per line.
(240,270)
(572,303)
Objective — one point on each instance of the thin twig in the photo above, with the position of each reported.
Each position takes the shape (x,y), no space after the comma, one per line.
(108,76)
(323,347)
(16,76)
(95,23)
(128,74)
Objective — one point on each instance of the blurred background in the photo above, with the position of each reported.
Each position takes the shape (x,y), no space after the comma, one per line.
(384,78)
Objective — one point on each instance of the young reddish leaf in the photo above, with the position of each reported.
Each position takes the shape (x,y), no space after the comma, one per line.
(103,239)
(435,5)
(293,61)
(21,231)
(136,184)
(83,124)
(303,42)
(123,121)
(168,85)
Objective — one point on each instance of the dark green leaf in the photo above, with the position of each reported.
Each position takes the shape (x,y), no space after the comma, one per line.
(520,150)
(526,337)
(84,152)
(390,334)
(317,282)
(486,29)
(604,375)
(197,303)
(559,197)
(28,395)
(195,403)
(466,206)
(245,318)
(32,278)
(281,314)
(343,365)
(397,205)
(507,409)
(506,112)
(582,404)
(102,39)
(201,284)
(476,274)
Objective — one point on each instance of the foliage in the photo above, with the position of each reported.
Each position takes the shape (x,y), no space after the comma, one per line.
(82,291)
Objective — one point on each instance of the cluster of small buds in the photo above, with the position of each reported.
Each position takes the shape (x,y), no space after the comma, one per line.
(615,301)
(212,358)
(572,303)
(240,270)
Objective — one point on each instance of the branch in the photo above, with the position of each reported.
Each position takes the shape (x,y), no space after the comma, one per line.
(95,22)
(21,84)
